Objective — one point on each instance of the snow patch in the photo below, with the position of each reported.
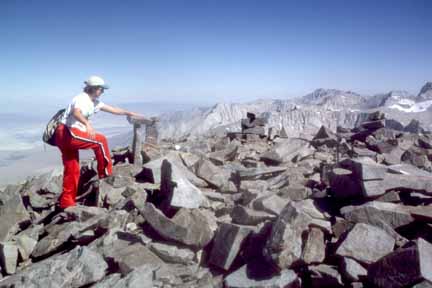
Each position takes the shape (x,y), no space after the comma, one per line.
(412,107)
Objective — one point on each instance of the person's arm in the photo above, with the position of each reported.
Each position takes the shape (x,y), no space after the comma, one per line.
(118,111)
(76,112)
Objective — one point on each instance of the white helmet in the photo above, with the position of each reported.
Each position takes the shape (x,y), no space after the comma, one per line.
(96,81)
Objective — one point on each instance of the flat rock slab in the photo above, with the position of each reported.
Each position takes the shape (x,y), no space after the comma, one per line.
(408,182)
(403,267)
(364,168)
(375,213)
(422,213)
(172,253)
(242,278)
(77,268)
(227,243)
(366,244)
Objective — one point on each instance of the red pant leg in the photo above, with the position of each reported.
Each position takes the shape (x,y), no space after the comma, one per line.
(71,171)
(69,141)
(99,145)
(103,156)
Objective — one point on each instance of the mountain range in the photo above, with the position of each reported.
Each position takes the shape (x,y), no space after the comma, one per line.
(301,116)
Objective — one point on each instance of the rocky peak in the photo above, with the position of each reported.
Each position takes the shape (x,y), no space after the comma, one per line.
(425,92)
(399,97)
(333,99)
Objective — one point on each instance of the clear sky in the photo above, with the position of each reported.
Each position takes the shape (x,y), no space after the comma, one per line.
(210,51)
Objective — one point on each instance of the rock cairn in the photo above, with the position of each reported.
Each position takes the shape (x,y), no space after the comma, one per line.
(233,212)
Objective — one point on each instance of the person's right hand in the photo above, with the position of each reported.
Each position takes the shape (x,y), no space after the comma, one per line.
(91,131)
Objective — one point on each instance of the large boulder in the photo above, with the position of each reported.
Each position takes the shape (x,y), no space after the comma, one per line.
(376,213)
(12,212)
(227,243)
(285,244)
(77,268)
(189,226)
(177,189)
(366,244)
(403,267)
(215,176)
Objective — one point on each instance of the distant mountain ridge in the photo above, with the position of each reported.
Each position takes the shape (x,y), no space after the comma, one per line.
(303,115)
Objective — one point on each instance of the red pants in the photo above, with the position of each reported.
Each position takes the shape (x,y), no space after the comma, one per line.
(69,141)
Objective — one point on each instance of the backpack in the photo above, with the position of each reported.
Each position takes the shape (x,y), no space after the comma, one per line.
(49,133)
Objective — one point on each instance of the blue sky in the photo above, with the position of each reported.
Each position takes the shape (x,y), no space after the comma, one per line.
(210,51)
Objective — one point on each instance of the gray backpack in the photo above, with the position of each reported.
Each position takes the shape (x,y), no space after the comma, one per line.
(49,133)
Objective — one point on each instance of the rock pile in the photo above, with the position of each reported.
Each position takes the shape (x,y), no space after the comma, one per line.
(252,128)
(221,212)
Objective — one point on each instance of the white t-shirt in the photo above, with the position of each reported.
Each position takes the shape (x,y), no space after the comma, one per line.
(87,107)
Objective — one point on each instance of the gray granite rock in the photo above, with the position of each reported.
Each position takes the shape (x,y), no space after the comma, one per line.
(423,284)
(12,212)
(189,226)
(314,247)
(366,244)
(221,156)
(227,243)
(141,277)
(57,237)
(25,246)
(272,203)
(375,213)
(403,267)
(177,188)
(77,268)
(325,276)
(8,257)
(261,173)
(352,270)
(246,216)
(172,253)
(242,279)
(285,150)
(133,256)
(215,176)
(50,182)
(284,245)
(295,192)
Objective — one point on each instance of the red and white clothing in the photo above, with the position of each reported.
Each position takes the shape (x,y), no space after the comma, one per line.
(87,107)
(71,136)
